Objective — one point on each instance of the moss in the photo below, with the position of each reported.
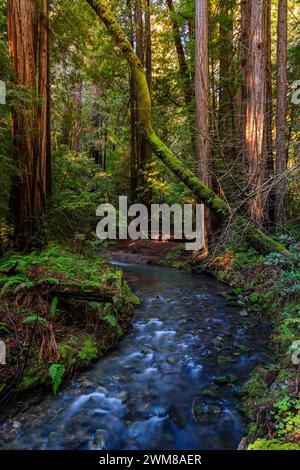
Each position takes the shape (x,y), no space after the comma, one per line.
(67,354)
(33,376)
(134,299)
(273,444)
(89,352)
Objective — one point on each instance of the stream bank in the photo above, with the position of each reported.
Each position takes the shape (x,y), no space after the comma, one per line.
(60,311)
(270,287)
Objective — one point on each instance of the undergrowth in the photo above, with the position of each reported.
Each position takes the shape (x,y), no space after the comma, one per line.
(60,310)
(269,286)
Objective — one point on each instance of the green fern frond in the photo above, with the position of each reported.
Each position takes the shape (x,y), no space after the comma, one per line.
(56,373)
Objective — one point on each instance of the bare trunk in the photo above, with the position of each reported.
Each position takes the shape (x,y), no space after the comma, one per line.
(256,110)
(202,95)
(183,66)
(146,150)
(44,97)
(226,95)
(281,111)
(269,119)
(29,54)
(133,117)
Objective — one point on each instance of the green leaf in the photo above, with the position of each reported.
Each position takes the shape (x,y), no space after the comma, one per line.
(35,318)
(111,319)
(56,373)
(53,306)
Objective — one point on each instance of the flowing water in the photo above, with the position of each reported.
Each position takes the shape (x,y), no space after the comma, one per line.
(167,386)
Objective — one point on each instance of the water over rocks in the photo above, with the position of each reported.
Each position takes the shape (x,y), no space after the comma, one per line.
(171,384)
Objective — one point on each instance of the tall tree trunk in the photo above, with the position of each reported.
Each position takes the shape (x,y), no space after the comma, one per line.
(133,116)
(203,193)
(270,205)
(202,95)
(139,47)
(241,96)
(29,54)
(185,76)
(44,96)
(77,97)
(256,110)
(183,66)
(146,150)
(281,111)
(227,92)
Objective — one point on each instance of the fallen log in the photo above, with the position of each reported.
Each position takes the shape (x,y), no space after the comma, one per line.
(84,295)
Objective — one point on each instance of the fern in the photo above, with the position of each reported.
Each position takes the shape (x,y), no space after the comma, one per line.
(35,318)
(14,281)
(53,306)
(111,320)
(56,373)
(94,306)
(108,316)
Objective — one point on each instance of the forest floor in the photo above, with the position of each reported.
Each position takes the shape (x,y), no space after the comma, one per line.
(59,312)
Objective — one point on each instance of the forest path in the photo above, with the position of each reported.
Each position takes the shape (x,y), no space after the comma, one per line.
(171,384)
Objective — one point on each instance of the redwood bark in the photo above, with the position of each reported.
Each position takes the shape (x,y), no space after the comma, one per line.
(269,120)
(256,110)
(202,96)
(146,150)
(281,113)
(183,66)
(44,108)
(29,55)
(202,90)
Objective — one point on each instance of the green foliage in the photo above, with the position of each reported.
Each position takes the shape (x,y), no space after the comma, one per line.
(35,318)
(286,412)
(289,260)
(79,187)
(56,373)
(53,306)
(54,263)
(89,352)
(273,444)
(109,317)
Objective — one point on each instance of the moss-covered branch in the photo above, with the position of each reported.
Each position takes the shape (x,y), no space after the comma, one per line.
(205,195)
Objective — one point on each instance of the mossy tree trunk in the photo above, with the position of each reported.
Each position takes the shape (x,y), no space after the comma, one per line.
(257,238)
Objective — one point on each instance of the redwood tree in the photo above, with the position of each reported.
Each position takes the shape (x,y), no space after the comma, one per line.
(202,93)
(29,54)
(256,110)
(281,111)
(183,65)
